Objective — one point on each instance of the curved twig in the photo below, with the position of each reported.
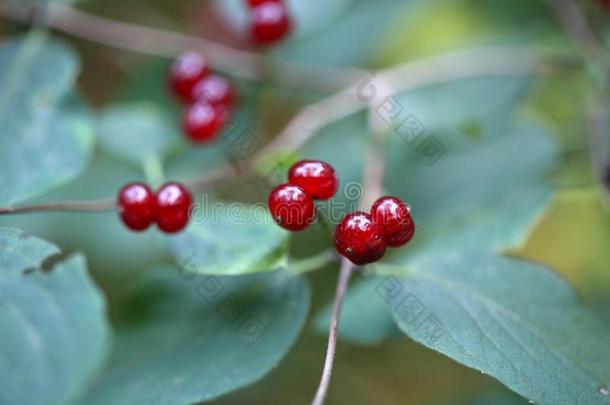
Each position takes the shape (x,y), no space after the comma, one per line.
(168,44)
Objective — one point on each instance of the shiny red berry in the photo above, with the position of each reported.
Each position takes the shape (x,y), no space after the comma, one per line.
(291,207)
(186,71)
(254,3)
(173,202)
(395,217)
(360,239)
(317,178)
(136,206)
(214,90)
(270,23)
(202,121)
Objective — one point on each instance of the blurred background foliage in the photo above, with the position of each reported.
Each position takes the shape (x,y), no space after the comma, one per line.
(573,237)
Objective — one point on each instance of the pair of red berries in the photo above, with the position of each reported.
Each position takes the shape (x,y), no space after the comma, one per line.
(363,238)
(208,96)
(269,21)
(292,204)
(169,207)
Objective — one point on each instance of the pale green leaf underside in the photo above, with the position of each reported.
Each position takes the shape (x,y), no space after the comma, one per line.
(516,321)
(45,133)
(229,239)
(197,337)
(54,329)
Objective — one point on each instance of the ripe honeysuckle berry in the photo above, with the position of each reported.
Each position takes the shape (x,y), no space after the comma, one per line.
(317,178)
(291,207)
(214,90)
(202,121)
(394,216)
(172,205)
(360,239)
(269,23)
(254,3)
(186,71)
(136,206)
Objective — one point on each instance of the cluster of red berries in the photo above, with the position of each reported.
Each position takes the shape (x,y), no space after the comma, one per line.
(169,207)
(292,204)
(360,237)
(269,21)
(363,238)
(208,97)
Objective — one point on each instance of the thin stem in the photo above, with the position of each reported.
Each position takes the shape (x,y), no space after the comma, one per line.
(78,206)
(578,30)
(373,185)
(344,276)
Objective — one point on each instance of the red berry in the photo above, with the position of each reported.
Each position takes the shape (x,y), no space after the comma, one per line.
(136,205)
(186,71)
(269,23)
(291,207)
(202,121)
(173,202)
(360,239)
(214,90)
(254,3)
(315,177)
(394,216)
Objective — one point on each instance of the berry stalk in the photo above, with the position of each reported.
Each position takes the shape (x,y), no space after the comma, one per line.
(78,206)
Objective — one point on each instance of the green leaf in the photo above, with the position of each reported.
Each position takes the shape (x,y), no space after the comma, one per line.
(230,239)
(54,328)
(461,202)
(517,321)
(342,41)
(46,133)
(192,338)
(137,132)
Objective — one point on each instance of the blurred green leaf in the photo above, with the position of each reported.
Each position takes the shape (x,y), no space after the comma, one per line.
(137,132)
(439,114)
(54,328)
(517,321)
(326,32)
(350,38)
(191,337)
(230,238)
(46,134)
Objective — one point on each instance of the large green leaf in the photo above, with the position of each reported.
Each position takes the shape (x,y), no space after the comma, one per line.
(514,320)
(230,238)
(191,337)
(470,199)
(54,328)
(45,133)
